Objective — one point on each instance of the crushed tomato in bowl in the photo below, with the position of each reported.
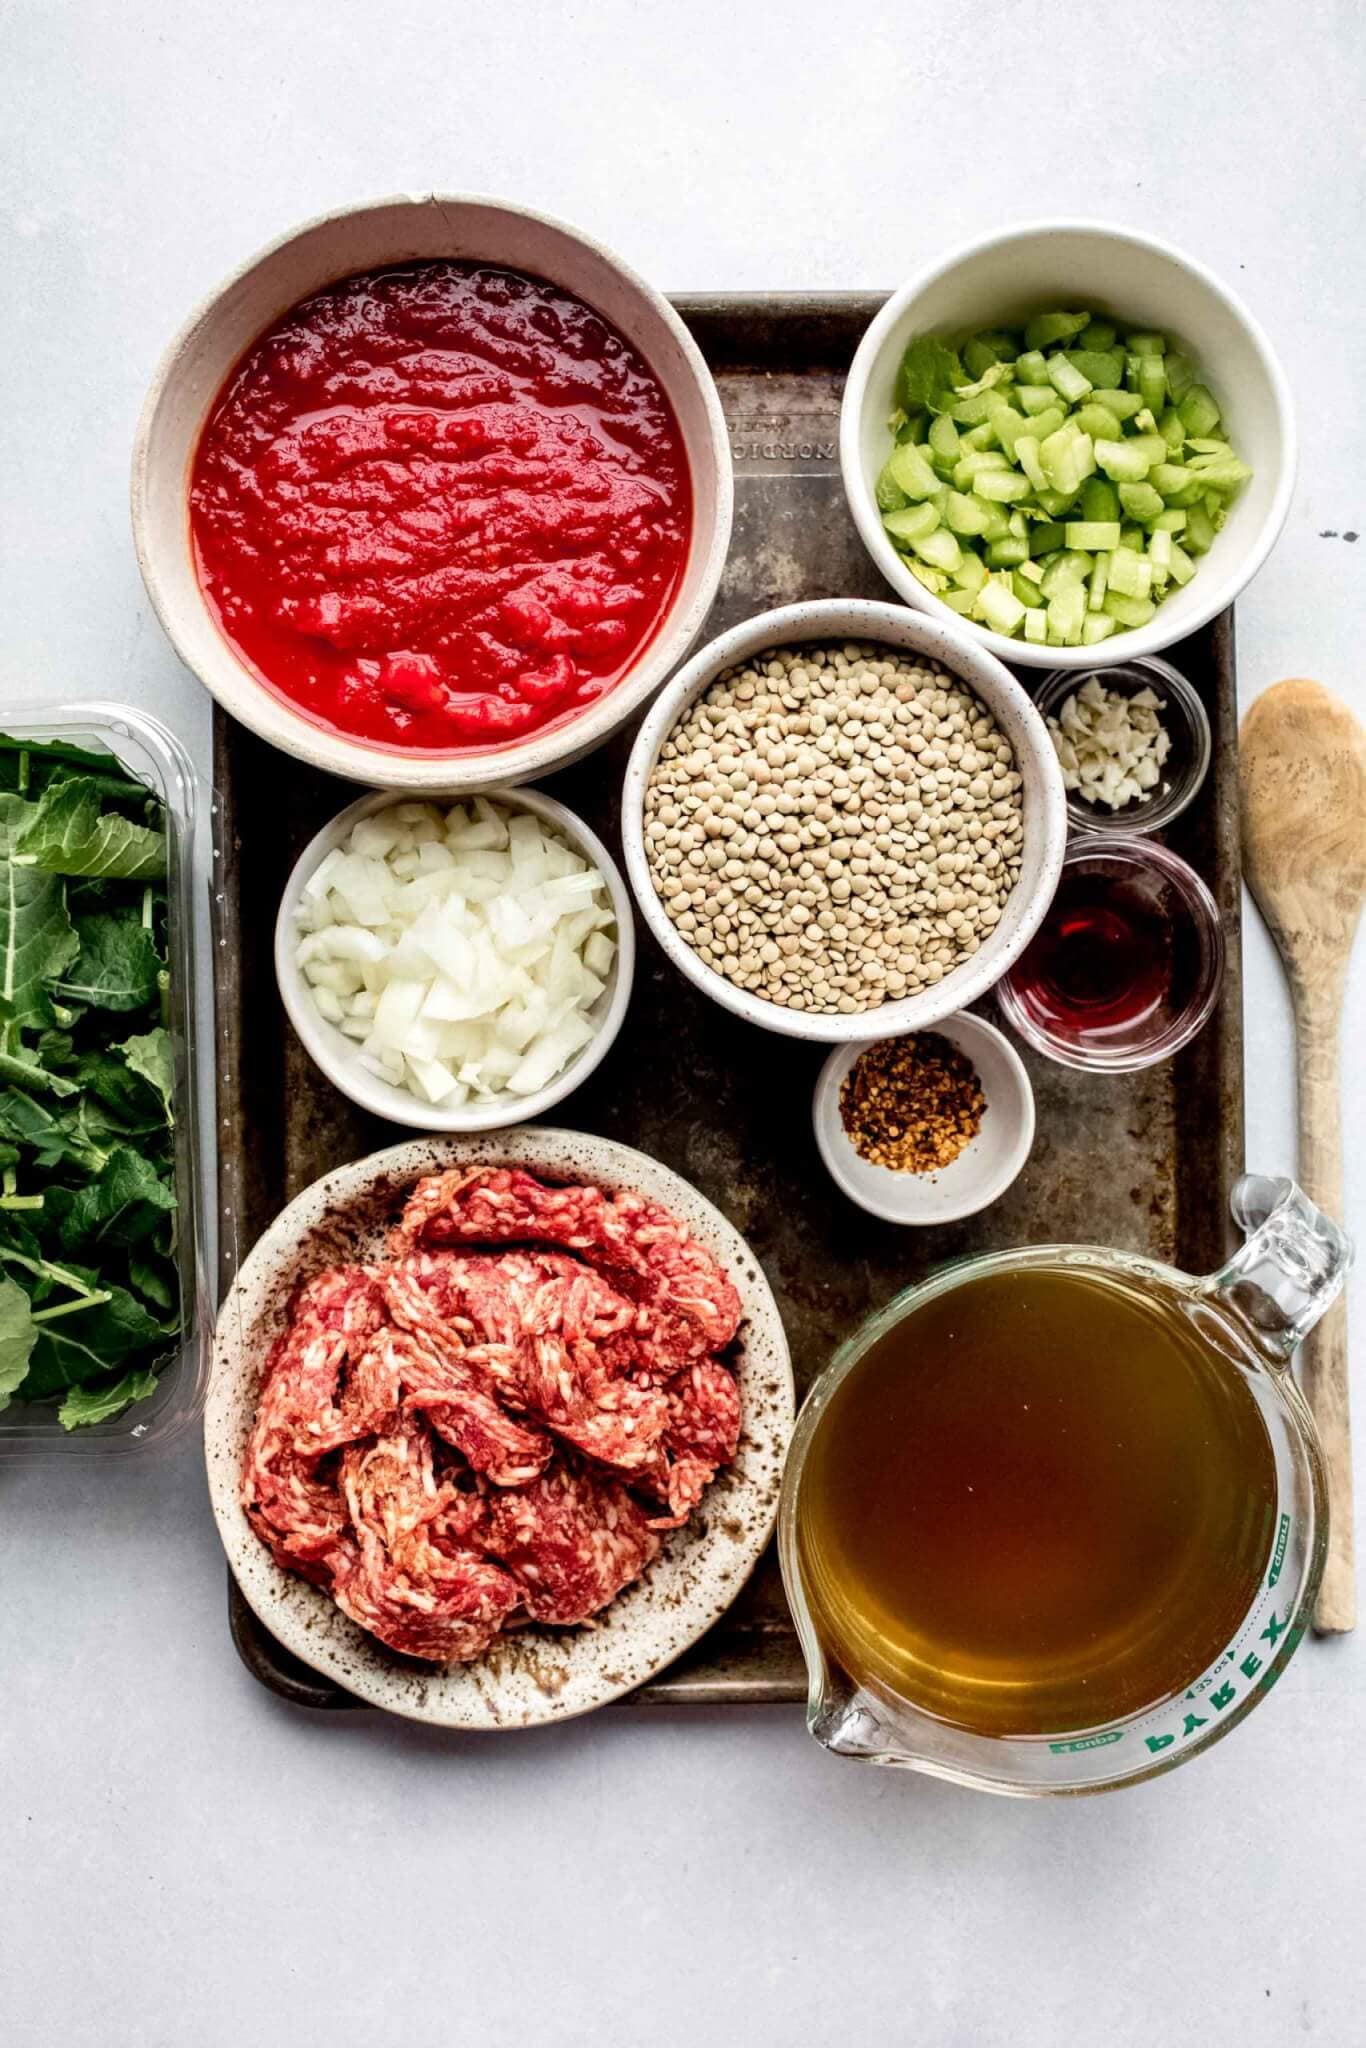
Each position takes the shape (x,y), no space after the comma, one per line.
(440,506)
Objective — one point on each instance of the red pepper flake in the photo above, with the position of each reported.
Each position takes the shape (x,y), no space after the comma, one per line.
(912,1103)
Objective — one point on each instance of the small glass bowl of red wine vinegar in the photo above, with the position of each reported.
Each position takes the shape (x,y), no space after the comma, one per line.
(1127,964)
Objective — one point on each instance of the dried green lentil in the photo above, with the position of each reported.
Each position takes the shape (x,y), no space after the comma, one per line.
(865,806)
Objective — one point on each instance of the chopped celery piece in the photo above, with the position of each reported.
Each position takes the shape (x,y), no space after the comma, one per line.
(909,469)
(1169,477)
(1027,455)
(1096,419)
(971,412)
(978,356)
(1100,579)
(1152,382)
(1103,368)
(1160,556)
(1068,458)
(964,514)
(1130,611)
(1047,328)
(1001,486)
(1126,461)
(1180,375)
(1068,567)
(1067,615)
(888,492)
(939,549)
(1008,425)
(1065,463)
(999,607)
(1199,413)
(1225,476)
(1093,534)
(1140,501)
(911,524)
(944,439)
(1130,574)
(1100,500)
(1123,404)
(977,459)
(1007,554)
(1067,380)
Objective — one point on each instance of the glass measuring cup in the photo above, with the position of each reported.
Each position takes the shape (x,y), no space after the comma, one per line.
(1249,1318)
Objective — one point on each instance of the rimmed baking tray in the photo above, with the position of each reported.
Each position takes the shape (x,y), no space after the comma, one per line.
(1144,1161)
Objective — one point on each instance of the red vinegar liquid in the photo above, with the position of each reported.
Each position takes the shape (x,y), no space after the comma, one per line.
(1103,963)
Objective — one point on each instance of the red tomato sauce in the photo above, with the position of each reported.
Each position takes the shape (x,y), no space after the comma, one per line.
(440,506)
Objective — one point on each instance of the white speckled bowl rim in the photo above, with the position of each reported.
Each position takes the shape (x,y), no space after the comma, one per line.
(537,1675)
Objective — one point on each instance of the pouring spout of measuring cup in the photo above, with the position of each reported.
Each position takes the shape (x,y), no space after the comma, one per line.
(1289,1271)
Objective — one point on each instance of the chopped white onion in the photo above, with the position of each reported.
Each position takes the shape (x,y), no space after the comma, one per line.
(462,952)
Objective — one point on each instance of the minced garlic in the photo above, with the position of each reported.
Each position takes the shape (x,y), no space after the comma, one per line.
(1111,744)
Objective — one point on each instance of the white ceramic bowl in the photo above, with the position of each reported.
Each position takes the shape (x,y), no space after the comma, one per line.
(335,1054)
(367,237)
(537,1674)
(1050,264)
(983,1170)
(902,631)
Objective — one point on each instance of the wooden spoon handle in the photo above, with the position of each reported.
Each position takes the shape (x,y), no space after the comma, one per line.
(1323,1357)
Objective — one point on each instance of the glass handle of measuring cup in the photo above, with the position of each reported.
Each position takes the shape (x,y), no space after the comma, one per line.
(1290,1269)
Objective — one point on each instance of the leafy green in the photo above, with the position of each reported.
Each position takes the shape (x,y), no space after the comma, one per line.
(17,1336)
(68,832)
(116,966)
(37,941)
(121,1206)
(928,368)
(89,1289)
(153,1057)
(84,1405)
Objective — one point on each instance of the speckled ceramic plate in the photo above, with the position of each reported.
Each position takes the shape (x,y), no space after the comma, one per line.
(537,1674)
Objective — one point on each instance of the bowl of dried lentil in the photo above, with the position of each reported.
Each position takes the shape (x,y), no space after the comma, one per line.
(843,819)
(928,1127)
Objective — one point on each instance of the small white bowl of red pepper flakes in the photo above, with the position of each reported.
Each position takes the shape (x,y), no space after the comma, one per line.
(927,1127)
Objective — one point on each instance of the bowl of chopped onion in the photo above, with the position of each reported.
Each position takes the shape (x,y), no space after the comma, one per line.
(456,964)
(1070,439)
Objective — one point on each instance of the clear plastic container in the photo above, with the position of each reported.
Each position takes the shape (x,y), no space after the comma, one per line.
(155,757)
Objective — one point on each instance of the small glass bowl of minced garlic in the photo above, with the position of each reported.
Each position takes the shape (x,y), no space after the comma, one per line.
(1133,742)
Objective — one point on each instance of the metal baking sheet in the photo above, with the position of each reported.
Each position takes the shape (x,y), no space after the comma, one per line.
(1138,1160)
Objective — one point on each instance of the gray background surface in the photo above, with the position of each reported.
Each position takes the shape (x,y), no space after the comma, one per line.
(186,1860)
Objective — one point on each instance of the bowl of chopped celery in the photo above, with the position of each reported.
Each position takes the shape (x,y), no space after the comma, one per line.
(1070,438)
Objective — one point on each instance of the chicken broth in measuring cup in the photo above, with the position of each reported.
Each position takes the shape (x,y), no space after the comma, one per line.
(1038,1503)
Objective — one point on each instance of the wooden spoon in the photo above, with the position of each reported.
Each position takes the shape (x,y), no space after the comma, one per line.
(1304,855)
